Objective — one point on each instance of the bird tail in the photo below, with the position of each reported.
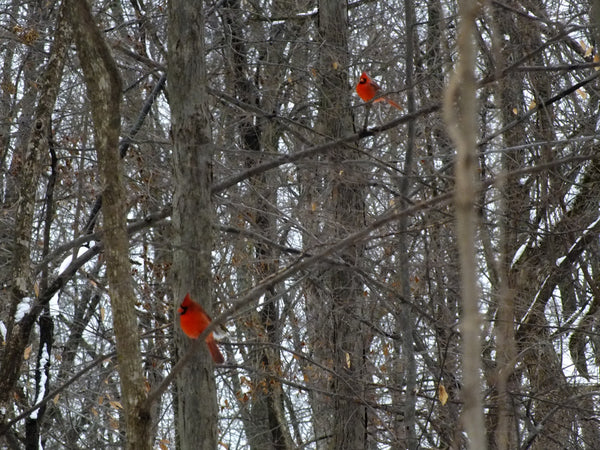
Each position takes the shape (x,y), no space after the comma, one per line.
(216,354)
(389,102)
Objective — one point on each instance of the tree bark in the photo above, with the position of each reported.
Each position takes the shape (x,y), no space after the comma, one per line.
(501,418)
(460,115)
(36,147)
(405,367)
(345,213)
(103,84)
(267,427)
(197,410)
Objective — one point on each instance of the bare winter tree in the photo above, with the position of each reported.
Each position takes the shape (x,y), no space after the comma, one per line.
(103,84)
(338,325)
(192,212)
(459,113)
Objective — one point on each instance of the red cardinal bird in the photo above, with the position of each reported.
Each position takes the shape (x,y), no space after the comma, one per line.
(368,90)
(194,320)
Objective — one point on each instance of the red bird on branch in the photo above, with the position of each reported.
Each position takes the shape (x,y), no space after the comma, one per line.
(368,90)
(194,320)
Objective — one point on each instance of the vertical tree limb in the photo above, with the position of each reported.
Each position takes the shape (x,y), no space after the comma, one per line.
(404,313)
(104,90)
(193,215)
(37,145)
(501,419)
(460,114)
(345,341)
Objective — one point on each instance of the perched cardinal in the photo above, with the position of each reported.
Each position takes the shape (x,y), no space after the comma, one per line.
(194,320)
(368,90)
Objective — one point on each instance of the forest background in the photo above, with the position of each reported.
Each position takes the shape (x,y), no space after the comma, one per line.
(423,278)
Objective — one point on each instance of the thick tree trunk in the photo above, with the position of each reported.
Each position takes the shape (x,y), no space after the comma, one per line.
(33,152)
(344,211)
(197,410)
(104,90)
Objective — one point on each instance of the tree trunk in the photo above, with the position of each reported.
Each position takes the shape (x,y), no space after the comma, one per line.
(405,366)
(104,90)
(344,212)
(267,425)
(35,148)
(197,410)
(460,108)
